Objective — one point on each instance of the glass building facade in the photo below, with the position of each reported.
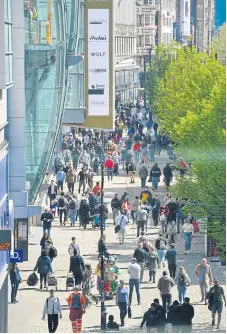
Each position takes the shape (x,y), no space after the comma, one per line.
(45,84)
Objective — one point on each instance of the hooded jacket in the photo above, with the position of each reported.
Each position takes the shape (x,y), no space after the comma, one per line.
(43,265)
(174,316)
(187,314)
(165,285)
(143,172)
(171,256)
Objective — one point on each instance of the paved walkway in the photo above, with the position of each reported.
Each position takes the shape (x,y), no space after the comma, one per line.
(26,315)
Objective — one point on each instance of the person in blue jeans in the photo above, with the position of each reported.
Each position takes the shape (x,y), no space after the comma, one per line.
(15,279)
(134,280)
(183,281)
(122,301)
(187,232)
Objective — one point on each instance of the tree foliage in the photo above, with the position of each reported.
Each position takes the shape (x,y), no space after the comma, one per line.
(219,45)
(191,107)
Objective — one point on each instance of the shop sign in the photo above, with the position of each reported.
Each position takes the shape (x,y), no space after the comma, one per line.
(5,240)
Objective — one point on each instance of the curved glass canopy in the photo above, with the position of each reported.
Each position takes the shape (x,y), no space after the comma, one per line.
(45,84)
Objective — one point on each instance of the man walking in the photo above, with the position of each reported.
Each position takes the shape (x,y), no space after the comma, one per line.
(143,174)
(109,165)
(187,315)
(155,174)
(141,219)
(165,285)
(134,280)
(62,208)
(81,179)
(122,221)
(60,177)
(140,256)
(52,308)
(52,190)
(203,272)
(216,297)
(115,206)
(171,257)
(46,219)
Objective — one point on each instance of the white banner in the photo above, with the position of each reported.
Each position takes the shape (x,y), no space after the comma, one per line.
(98,62)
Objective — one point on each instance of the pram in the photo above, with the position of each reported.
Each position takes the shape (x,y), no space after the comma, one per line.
(52,281)
(69,281)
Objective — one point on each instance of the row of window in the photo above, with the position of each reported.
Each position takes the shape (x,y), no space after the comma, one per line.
(166,21)
(146,40)
(124,45)
(167,38)
(8,43)
(146,20)
(149,2)
(127,76)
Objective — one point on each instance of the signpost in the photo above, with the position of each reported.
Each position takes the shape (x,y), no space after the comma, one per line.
(18,256)
(5,240)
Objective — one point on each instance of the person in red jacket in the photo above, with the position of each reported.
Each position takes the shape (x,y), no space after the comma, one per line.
(164,209)
(136,149)
(109,165)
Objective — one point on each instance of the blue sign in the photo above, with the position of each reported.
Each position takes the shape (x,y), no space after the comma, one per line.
(17,256)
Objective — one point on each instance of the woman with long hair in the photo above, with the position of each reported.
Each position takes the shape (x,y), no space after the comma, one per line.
(183,281)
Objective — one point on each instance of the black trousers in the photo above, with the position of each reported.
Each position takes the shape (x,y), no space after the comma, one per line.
(71,187)
(172,270)
(61,212)
(43,277)
(60,185)
(52,322)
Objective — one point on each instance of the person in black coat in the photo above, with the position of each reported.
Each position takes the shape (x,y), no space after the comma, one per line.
(174,316)
(187,316)
(77,267)
(43,241)
(151,318)
(168,174)
(172,205)
(162,316)
(84,213)
(46,219)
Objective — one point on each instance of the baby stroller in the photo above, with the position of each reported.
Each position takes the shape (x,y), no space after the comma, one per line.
(116,169)
(52,281)
(69,281)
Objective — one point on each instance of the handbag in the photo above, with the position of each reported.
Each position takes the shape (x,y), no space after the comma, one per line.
(129,312)
(117,228)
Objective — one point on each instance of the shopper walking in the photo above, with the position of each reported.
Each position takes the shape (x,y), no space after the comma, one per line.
(15,279)
(115,206)
(72,246)
(152,319)
(46,219)
(122,300)
(203,272)
(171,257)
(71,179)
(140,256)
(62,208)
(182,281)
(109,165)
(77,267)
(76,302)
(216,297)
(134,280)
(143,174)
(60,177)
(155,174)
(44,267)
(152,264)
(174,317)
(160,245)
(52,190)
(52,307)
(122,221)
(141,220)
(187,232)
(165,285)
(187,314)
(172,232)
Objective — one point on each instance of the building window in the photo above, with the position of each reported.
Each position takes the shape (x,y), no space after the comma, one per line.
(148,20)
(149,2)
(148,40)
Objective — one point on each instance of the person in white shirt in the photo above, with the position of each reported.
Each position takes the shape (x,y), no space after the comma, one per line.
(73,246)
(87,139)
(134,270)
(52,308)
(122,221)
(187,232)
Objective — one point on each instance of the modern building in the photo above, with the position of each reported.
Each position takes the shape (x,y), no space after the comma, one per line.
(126,67)
(183,21)
(155,25)
(202,23)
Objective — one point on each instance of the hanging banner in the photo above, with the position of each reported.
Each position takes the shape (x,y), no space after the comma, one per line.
(99,65)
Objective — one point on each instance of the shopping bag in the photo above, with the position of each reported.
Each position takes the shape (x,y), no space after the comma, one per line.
(32,279)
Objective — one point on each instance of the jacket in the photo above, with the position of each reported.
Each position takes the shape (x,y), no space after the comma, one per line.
(55,189)
(47,218)
(187,314)
(155,172)
(171,256)
(177,279)
(84,210)
(52,306)
(152,260)
(151,318)
(135,204)
(141,215)
(174,315)
(109,164)
(77,264)
(208,275)
(157,243)
(140,255)
(103,209)
(15,276)
(71,177)
(115,203)
(43,243)
(167,171)
(165,285)
(43,265)
(172,228)
(60,175)
(143,172)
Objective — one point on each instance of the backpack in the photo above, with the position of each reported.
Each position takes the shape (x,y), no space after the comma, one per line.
(76,302)
(182,279)
(61,202)
(72,205)
(48,299)
(53,252)
(162,244)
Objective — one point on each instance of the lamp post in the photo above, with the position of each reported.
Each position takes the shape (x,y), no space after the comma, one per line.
(103,307)
(145,75)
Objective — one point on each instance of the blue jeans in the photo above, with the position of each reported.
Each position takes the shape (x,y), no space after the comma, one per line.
(187,240)
(143,182)
(123,311)
(155,183)
(161,256)
(110,174)
(166,301)
(72,216)
(132,283)
(46,229)
(151,156)
(14,288)
(182,293)
(137,155)
(179,221)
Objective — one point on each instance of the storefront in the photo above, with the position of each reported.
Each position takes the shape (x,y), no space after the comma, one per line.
(126,85)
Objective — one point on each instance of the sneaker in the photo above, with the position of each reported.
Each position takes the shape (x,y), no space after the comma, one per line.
(185,252)
(213,322)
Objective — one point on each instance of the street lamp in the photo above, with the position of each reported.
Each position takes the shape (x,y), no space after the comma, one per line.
(103,307)
(145,74)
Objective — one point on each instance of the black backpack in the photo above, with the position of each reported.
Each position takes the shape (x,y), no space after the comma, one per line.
(61,202)
(53,252)
(182,279)
(72,205)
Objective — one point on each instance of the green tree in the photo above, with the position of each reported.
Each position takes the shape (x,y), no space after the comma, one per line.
(191,107)
(219,45)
